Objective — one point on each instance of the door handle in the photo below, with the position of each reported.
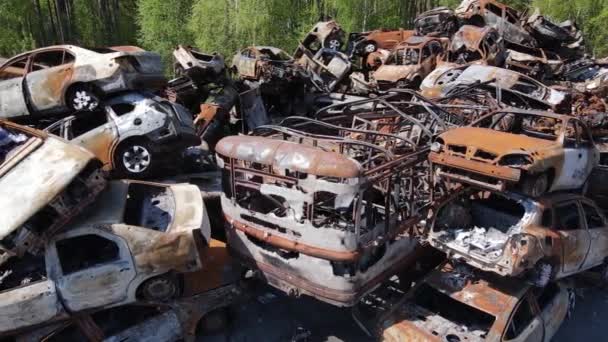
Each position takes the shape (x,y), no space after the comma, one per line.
(580,155)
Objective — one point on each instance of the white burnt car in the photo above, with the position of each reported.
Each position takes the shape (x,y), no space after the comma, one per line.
(135,244)
(44,183)
(67,77)
(135,134)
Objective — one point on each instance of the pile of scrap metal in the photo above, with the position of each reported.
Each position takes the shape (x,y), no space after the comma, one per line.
(77,249)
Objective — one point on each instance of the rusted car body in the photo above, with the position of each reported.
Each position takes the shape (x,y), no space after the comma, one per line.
(132,246)
(458,304)
(264,63)
(439,21)
(135,134)
(506,20)
(410,62)
(507,86)
(199,66)
(326,67)
(365,43)
(549,238)
(44,183)
(306,202)
(66,77)
(534,62)
(532,151)
(477,44)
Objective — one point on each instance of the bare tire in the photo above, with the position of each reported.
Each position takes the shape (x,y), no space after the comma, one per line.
(162,288)
(135,159)
(82,97)
(541,274)
(535,185)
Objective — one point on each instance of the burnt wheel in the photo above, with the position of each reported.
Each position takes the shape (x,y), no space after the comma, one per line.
(135,159)
(82,97)
(162,288)
(535,185)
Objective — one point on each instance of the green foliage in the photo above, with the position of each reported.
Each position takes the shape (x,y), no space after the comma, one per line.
(15,34)
(162,25)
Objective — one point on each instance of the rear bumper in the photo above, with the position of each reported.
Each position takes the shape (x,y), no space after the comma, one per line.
(468,171)
(131,81)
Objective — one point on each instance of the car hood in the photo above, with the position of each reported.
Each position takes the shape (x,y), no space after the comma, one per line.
(499,143)
(394,73)
(36,179)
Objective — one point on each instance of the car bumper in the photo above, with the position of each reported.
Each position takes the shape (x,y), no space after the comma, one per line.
(131,81)
(465,170)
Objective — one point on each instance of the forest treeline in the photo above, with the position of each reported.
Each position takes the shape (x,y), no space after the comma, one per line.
(228,25)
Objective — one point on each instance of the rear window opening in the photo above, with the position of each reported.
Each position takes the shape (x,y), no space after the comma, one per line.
(480,223)
(150,207)
(460,314)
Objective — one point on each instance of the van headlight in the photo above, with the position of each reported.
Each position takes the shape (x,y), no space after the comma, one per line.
(436,147)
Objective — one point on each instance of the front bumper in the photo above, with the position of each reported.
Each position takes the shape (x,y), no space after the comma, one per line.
(468,171)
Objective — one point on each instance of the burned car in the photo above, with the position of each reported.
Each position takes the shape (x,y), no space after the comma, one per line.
(132,246)
(410,62)
(324,35)
(65,77)
(198,66)
(44,183)
(542,239)
(327,67)
(265,63)
(439,21)
(454,303)
(506,20)
(534,62)
(364,43)
(135,134)
(307,203)
(477,44)
(508,86)
(532,151)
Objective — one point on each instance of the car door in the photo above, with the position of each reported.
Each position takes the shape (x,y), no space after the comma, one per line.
(95,131)
(428,60)
(552,301)
(50,74)
(525,324)
(578,159)
(12,98)
(598,234)
(575,237)
(93,268)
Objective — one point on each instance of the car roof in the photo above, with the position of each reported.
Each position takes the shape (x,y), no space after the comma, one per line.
(484,291)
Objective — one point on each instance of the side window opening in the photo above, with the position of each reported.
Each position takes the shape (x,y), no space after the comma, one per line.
(593,218)
(85,251)
(14,70)
(121,109)
(567,217)
(47,59)
(585,138)
(21,271)
(570,138)
(85,122)
(521,319)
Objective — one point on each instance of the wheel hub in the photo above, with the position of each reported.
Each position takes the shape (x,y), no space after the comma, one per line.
(136,159)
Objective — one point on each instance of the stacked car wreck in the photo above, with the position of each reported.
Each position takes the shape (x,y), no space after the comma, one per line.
(461,160)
